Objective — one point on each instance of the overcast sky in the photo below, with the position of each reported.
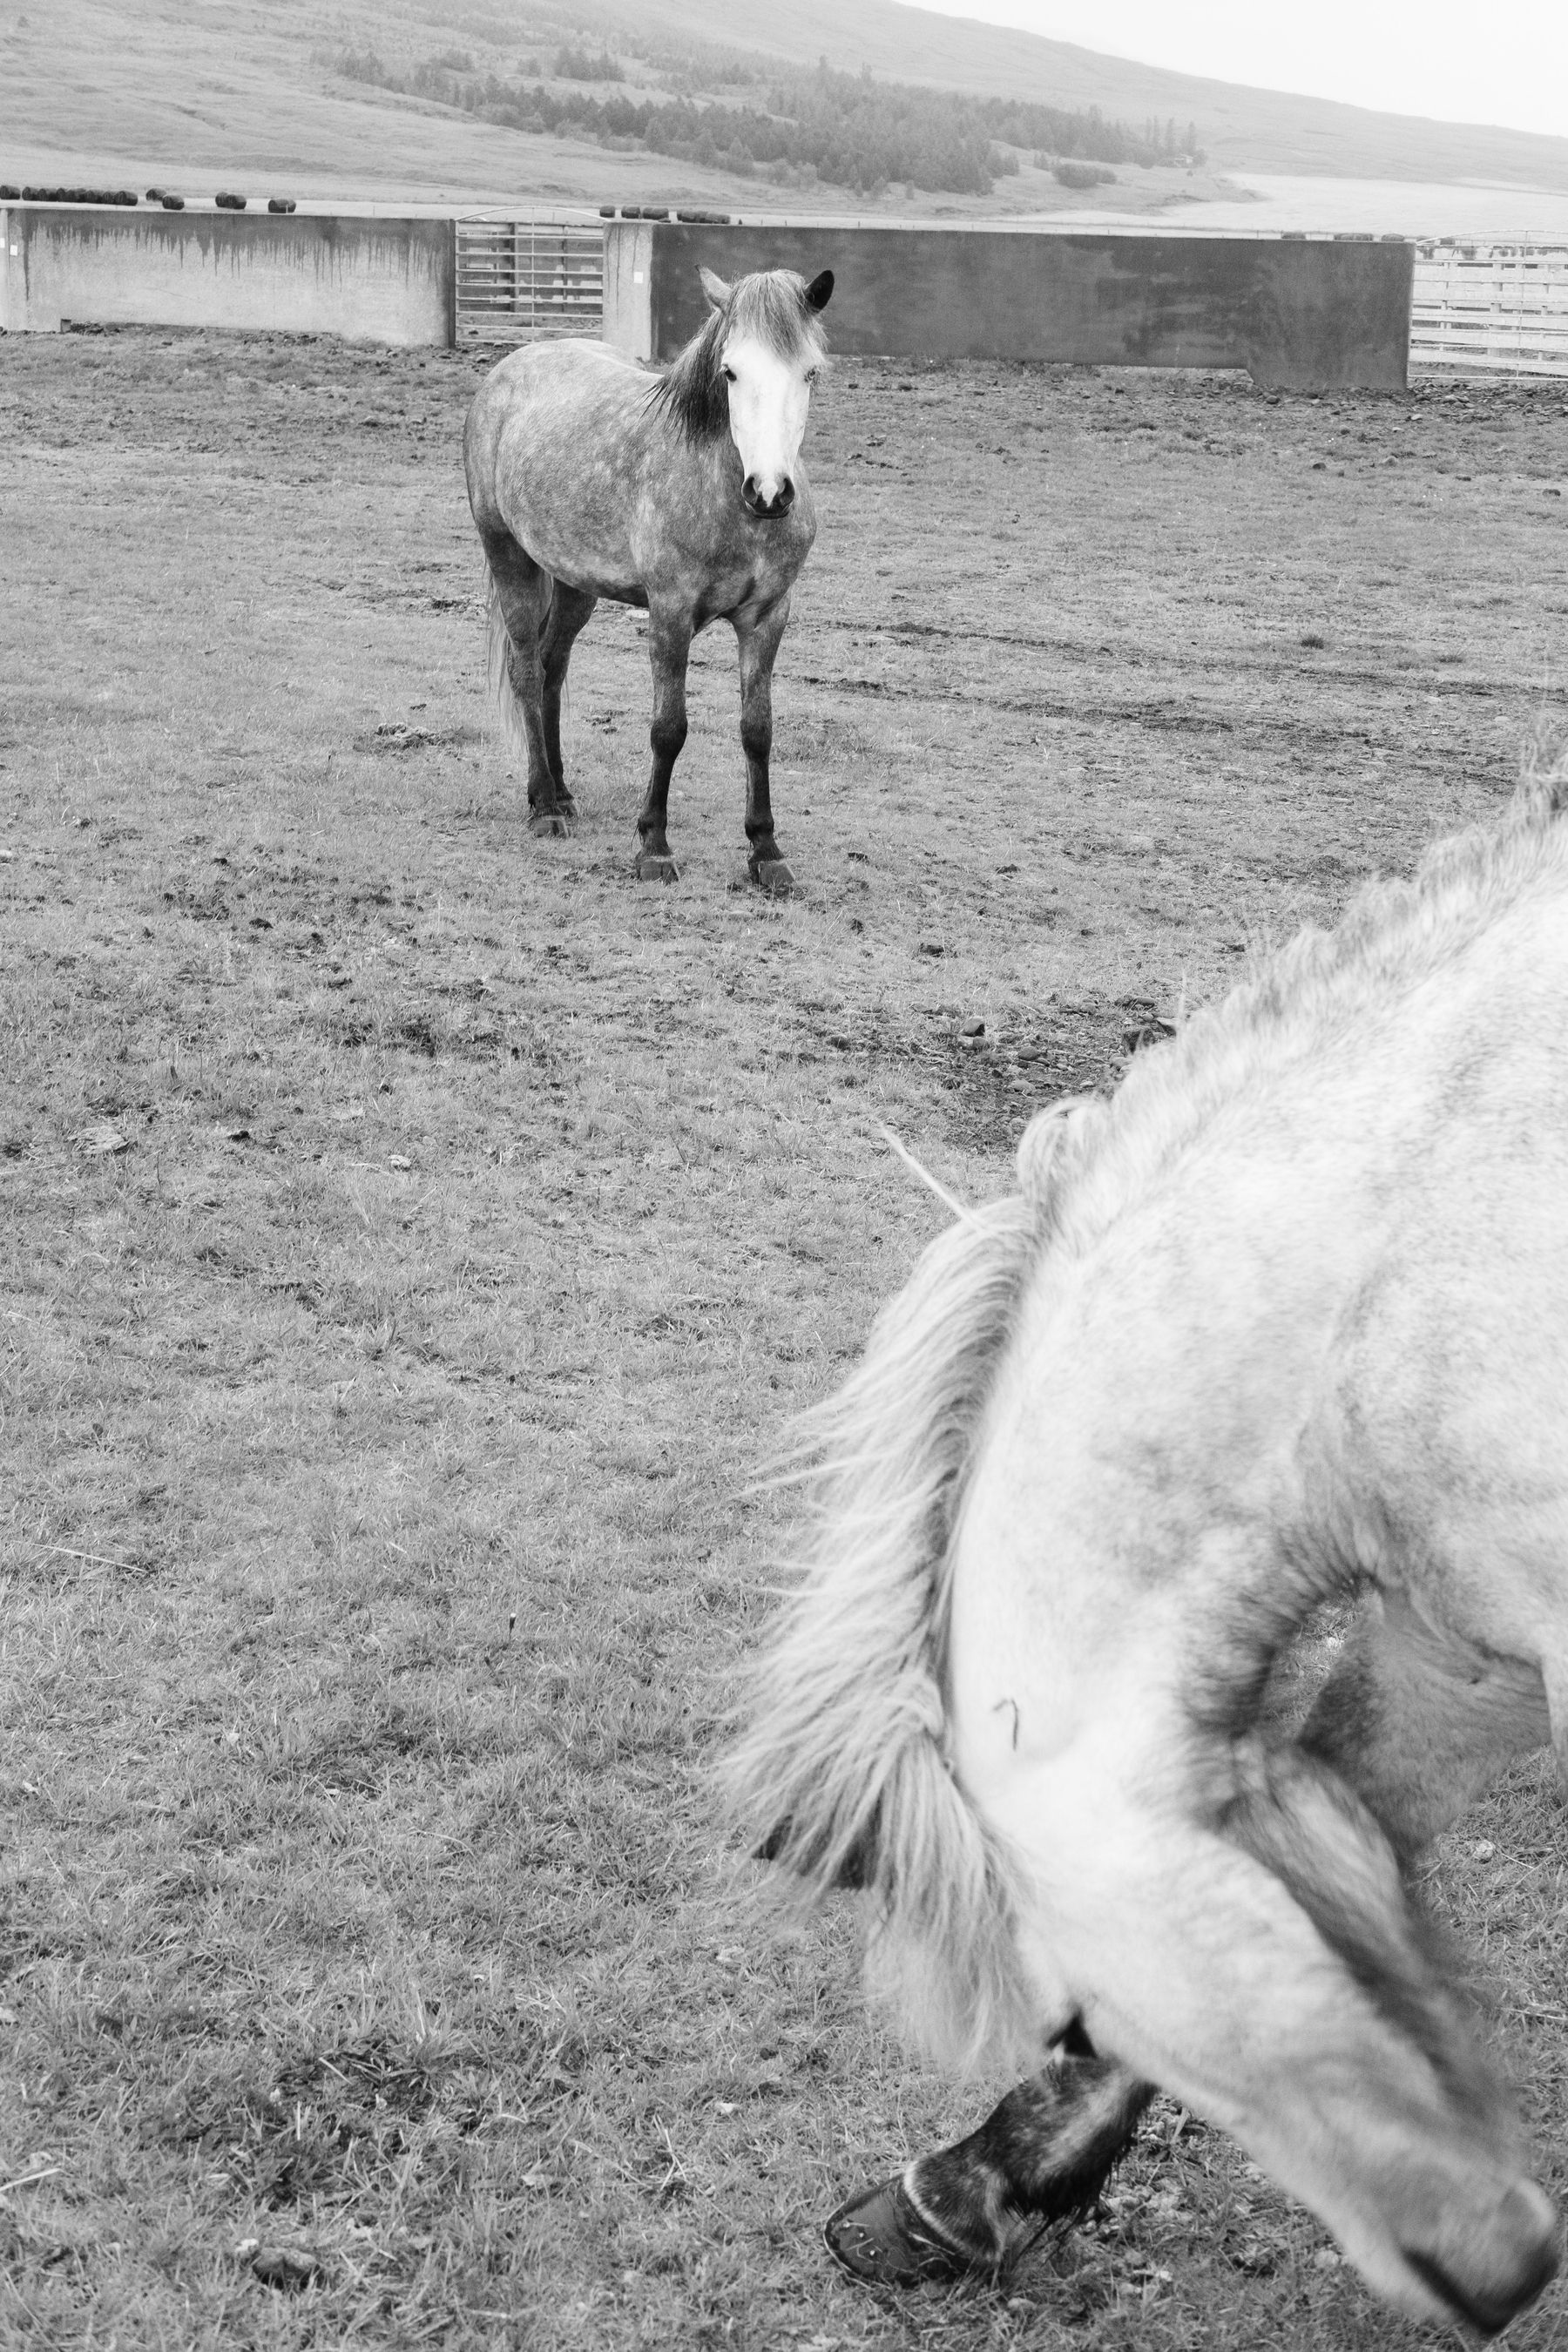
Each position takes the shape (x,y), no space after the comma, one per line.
(1506,62)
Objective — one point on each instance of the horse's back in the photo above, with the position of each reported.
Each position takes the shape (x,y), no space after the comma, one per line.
(555,451)
(575,374)
(1451,1368)
(1308,1311)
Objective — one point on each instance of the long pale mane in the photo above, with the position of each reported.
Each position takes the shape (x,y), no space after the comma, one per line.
(770,305)
(842,1776)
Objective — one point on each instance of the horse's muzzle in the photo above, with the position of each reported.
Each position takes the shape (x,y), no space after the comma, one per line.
(767,509)
(1500,2279)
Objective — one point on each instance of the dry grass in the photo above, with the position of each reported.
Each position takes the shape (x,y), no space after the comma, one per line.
(414,1238)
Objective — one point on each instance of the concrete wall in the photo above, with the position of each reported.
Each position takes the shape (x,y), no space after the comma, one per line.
(388,281)
(1304,312)
(1307,314)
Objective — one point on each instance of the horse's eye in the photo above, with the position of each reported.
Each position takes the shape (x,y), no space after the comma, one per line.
(811,375)
(729,373)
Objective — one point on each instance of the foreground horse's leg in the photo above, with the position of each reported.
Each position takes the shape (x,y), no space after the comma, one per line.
(518,614)
(569,612)
(1039,2157)
(759,644)
(669,644)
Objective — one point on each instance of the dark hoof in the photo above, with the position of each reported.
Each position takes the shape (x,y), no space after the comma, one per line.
(552,825)
(878,2236)
(772,875)
(655,866)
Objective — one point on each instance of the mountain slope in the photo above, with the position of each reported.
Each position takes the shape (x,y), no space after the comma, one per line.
(133,91)
(1241,128)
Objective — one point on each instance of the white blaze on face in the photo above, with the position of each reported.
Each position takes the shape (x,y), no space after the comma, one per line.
(769,398)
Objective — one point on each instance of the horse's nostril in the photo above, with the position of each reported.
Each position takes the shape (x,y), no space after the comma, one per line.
(1488,2306)
(769,508)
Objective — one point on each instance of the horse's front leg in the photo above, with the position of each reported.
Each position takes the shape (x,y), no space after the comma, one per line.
(759,644)
(1039,2157)
(668,644)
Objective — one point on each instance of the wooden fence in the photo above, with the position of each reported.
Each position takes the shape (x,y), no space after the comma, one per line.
(1492,308)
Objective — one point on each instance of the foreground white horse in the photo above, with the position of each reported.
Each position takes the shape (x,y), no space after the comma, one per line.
(1284,1322)
(681,492)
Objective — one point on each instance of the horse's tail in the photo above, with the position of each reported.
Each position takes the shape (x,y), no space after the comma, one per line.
(503,693)
(843,1776)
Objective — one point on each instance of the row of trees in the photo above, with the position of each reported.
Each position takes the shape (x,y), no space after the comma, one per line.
(1085,137)
(846,128)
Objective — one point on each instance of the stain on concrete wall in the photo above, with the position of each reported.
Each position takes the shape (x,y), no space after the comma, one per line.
(1307,314)
(379,280)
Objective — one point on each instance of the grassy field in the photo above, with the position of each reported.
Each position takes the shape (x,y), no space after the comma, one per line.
(414,1238)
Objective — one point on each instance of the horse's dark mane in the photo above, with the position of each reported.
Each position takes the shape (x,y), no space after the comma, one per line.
(770,305)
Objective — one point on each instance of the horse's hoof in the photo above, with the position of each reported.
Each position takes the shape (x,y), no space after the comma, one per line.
(552,825)
(880,2237)
(772,875)
(655,866)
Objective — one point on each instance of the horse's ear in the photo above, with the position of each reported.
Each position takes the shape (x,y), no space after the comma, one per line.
(819,293)
(713,286)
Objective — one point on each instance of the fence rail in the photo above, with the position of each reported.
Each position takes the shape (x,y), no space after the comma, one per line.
(1499,308)
(517,281)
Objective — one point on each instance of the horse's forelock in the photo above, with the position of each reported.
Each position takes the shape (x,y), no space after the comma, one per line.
(770,305)
(773,307)
(1314,1834)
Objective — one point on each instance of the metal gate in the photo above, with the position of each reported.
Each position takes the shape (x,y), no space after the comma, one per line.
(518,280)
(1500,308)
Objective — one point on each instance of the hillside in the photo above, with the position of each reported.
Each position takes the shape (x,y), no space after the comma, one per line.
(133,90)
(1241,128)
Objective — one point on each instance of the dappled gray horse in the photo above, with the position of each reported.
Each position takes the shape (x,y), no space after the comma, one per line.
(682,492)
(1284,1323)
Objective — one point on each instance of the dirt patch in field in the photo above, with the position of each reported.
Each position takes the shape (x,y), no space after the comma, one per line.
(417,1239)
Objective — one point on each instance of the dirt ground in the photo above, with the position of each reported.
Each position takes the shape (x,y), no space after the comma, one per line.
(416,1238)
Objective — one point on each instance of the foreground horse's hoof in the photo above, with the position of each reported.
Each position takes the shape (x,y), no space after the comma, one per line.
(552,825)
(880,2238)
(655,866)
(772,875)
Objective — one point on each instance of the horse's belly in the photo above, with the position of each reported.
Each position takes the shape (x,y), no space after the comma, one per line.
(585,548)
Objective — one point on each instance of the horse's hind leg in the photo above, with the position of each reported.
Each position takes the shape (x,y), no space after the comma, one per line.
(569,611)
(1039,2157)
(522,592)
